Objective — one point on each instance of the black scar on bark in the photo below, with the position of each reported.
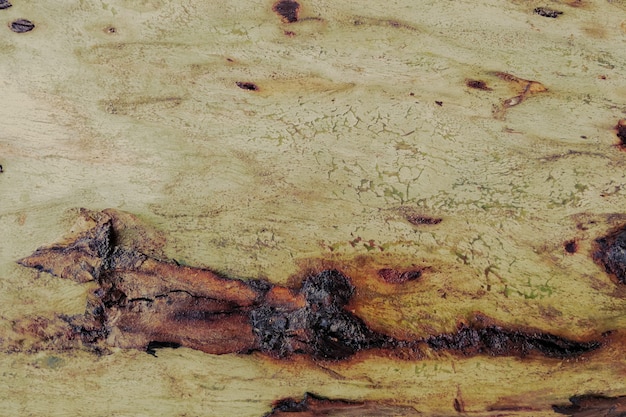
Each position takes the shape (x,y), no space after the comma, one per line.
(5,4)
(153,346)
(497,341)
(593,405)
(323,328)
(611,253)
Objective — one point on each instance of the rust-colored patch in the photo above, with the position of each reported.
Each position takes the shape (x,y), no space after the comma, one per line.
(145,303)
(288,10)
(477,84)
(524,89)
(620,131)
(610,252)
(315,405)
(593,405)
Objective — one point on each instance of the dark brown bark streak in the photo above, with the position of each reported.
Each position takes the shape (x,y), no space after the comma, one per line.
(145,303)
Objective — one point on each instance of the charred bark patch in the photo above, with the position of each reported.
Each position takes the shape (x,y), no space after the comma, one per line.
(5,4)
(288,10)
(322,328)
(593,405)
(611,253)
(144,303)
(316,405)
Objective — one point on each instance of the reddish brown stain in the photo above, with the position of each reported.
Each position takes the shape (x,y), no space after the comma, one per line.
(419,220)
(571,246)
(392,276)
(247,86)
(288,10)
(477,84)
(620,131)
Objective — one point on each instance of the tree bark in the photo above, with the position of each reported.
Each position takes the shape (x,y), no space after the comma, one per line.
(312,208)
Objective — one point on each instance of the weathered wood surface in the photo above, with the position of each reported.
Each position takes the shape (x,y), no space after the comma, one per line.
(475,142)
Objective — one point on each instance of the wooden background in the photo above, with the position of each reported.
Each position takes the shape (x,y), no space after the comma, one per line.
(361,118)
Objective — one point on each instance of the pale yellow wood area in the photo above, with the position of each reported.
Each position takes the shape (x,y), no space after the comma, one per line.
(361,118)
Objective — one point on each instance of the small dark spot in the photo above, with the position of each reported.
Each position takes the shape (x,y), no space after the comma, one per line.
(22,26)
(422,220)
(583,137)
(412,94)
(547,12)
(392,276)
(477,84)
(439,103)
(289,33)
(247,86)
(153,345)
(289,10)
(621,133)
(1,169)
(110,30)
(4,4)
(602,77)
(571,246)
